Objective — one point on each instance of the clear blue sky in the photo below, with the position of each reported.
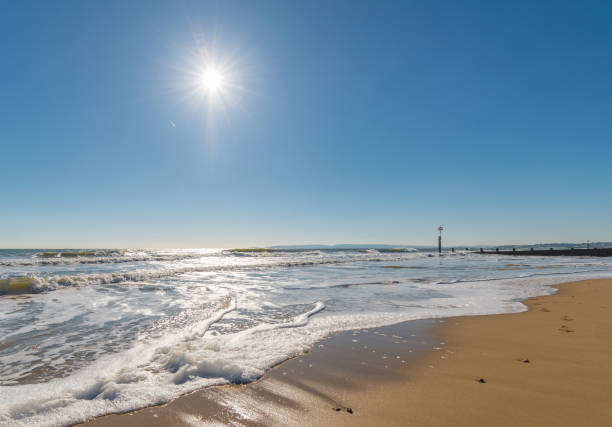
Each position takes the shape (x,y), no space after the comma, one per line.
(354,122)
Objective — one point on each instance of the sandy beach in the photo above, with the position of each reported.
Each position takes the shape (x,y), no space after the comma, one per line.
(546,366)
(298,213)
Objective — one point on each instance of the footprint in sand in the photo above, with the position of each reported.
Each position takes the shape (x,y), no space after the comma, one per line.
(565,328)
(567,318)
(544,309)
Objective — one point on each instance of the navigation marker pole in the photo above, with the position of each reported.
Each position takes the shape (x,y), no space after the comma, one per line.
(440,228)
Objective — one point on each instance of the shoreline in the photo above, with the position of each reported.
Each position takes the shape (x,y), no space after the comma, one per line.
(427,373)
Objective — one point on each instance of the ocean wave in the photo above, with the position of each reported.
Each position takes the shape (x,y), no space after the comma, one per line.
(74,257)
(254,250)
(345,285)
(77,253)
(32,284)
(97,259)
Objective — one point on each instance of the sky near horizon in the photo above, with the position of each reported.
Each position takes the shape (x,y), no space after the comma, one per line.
(338,122)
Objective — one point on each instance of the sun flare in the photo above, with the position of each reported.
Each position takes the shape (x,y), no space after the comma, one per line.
(211,80)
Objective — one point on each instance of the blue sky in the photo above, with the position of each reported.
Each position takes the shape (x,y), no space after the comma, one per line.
(346,122)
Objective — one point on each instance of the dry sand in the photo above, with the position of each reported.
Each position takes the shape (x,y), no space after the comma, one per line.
(427,373)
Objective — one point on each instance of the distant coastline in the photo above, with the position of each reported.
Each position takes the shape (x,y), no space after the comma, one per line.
(349,246)
(561,245)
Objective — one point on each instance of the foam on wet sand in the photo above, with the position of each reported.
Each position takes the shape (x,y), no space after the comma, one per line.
(547,366)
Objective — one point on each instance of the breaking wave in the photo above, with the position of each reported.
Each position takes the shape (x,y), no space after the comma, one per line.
(31,284)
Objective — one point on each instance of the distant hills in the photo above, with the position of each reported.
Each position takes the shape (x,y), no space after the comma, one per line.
(347,246)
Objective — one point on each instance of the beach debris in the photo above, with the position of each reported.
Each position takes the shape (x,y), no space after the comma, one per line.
(526,361)
(349,410)
(482,380)
(337,409)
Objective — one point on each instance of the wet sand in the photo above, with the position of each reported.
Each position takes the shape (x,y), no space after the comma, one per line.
(547,366)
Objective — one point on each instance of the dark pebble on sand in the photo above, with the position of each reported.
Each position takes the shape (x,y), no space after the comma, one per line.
(526,361)
(349,410)
(482,380)
(336,409)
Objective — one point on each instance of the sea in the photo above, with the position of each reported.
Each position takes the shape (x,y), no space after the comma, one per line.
(87,332)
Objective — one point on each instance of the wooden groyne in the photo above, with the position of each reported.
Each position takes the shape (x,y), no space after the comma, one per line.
(551,252)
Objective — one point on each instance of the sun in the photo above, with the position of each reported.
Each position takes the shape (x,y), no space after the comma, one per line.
(211,80)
